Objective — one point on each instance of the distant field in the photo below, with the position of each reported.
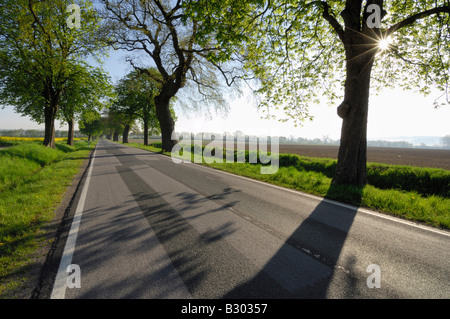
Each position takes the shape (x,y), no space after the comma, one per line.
(385,155)
(394,156)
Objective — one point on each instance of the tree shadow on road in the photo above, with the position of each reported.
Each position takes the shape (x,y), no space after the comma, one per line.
(306,263)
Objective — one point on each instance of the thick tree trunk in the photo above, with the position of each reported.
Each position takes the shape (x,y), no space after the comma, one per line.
(146,131)
(352,158)
(116,136)
(126,130)
(166,122)
(50,115)
(70,134)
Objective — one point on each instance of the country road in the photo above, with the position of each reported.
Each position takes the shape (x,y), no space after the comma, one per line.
(145,227)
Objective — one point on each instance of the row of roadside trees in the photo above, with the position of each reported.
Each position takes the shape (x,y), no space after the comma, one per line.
(292,54)
(43,68)
(133,106)
(45,74)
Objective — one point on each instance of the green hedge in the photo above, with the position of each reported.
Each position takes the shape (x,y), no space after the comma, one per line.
(426,181)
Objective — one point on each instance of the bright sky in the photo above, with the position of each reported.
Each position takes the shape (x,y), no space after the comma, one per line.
(392,113)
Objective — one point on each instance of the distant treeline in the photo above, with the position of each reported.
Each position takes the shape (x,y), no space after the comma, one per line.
(370,143)
(328,141)
(282,139)
(36,133)
(316,141)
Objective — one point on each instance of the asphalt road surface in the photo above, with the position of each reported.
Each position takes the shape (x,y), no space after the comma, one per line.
(146,227)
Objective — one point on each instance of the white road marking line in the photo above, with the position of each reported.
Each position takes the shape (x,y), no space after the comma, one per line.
(330,201)
(333,202)
(59,287)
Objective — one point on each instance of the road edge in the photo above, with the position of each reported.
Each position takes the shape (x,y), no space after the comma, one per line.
(57,233)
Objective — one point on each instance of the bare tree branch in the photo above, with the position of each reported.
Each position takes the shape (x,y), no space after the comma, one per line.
(329,16)
(410,20)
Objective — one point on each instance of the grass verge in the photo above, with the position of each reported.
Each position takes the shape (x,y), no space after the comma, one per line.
(416,194)
(33,180)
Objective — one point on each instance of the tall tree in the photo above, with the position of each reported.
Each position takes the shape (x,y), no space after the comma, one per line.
(91,124)
(127,106)
(136,91)
(112,125)
(41,44)
(162,31)
(300,51)
(88,89)
(135,101)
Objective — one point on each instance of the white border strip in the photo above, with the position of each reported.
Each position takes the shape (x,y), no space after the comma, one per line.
(59,287)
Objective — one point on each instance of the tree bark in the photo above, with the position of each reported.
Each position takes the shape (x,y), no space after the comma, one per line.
(146,131)
(116,136)
(166,122)
(351,166)
(71,132)
(50,115)
(126,130)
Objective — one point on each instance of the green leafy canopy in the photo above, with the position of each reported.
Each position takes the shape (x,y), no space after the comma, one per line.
(41,57)
(297,57)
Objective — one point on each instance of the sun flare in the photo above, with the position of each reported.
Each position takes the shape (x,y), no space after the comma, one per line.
(384,44)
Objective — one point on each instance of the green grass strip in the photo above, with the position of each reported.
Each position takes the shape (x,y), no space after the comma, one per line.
(28,201)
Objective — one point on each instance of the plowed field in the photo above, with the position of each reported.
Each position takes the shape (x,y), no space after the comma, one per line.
(397,156)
